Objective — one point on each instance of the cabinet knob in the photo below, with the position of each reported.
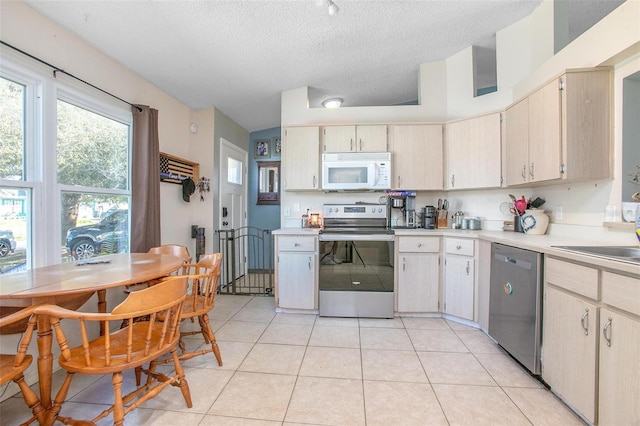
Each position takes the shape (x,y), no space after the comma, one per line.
(296,244)
(458,247)
(419,244)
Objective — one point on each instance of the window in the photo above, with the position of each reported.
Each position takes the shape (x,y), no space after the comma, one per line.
(64,170)
(12,109)
(234,173)
(92,152)
(14,201)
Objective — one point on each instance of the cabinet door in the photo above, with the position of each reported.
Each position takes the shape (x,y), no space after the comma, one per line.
(459,286)
(545,147)
(339,139)
(296,289)
(371,138)
(457,137)
(473,149)
(301,158)
(570,328)
(417,157)
(587,141)
(418,282)
(517,143)
(484,148)
(619,369)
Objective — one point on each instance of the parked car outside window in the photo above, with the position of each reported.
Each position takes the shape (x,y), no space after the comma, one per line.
(110,235)
(7,243)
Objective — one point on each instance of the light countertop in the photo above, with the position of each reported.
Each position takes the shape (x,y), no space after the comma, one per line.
(539,243)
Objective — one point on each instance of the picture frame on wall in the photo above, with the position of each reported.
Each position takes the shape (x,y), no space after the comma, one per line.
(277,146)
(263,148)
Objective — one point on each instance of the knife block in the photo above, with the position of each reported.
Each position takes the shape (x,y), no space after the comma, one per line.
(443,220)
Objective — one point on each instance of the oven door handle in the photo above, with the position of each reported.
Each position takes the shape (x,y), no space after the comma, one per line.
(356,237)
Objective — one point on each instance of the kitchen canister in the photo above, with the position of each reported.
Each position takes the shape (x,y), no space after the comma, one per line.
(534,222)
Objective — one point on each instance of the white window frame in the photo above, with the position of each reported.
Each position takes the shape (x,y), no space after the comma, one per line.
(40,159)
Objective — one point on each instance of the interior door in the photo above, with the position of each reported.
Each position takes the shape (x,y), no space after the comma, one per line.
(233,196)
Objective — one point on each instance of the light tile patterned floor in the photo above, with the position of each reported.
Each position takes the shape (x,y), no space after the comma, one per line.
(286,369)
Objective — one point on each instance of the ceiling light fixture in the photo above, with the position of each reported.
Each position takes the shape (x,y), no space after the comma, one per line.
(333,8)
(332,103)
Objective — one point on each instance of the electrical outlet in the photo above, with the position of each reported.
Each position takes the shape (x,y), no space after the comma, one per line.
(559,214)
(296,207)
(287,211)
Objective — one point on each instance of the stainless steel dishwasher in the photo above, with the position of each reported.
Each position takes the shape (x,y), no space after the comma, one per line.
(515,304)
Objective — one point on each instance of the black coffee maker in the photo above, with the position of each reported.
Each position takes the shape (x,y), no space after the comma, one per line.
(429,217)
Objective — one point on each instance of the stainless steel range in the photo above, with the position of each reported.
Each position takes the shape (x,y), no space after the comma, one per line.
(356,261)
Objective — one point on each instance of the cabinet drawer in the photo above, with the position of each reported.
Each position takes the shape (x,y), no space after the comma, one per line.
(462,246)
(621,291)
(296,243)
(419,244)
(576,278)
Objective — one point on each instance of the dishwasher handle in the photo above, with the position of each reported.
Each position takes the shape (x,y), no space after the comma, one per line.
(501,258)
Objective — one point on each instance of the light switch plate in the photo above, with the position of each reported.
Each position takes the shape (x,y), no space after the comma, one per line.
(296,207)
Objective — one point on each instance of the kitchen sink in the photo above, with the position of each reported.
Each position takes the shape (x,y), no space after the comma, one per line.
(631,254)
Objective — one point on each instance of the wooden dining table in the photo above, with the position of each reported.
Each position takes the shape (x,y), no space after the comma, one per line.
(72,284)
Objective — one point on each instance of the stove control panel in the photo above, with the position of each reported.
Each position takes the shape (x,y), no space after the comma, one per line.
(354,211)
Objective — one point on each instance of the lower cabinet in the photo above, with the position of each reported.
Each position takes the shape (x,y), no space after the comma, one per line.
(591,341)
(570,343)
(459,277)
(619,376)
(296,274)
(418,268)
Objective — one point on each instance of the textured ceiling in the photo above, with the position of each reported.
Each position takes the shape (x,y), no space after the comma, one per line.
(240,55)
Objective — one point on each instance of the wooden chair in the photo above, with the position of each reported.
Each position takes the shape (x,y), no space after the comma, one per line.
(128,348)
(172,249)
(203,277)
(175,250)
(12,367)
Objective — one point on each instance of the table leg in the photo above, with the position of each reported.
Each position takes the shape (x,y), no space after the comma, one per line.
(45,360)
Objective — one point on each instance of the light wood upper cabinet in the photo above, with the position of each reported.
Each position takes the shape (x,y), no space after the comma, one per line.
(473,149)
(301,159)
(417,156)
(545,143)
(565,127)
(354,138)
(517,143)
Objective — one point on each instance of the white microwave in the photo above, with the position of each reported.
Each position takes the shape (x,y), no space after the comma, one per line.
(344,171)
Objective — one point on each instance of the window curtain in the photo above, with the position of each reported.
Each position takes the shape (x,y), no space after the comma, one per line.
(145,180)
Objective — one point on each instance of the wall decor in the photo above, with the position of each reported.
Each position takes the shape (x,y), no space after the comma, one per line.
(204,185)
(277,145)
(175,169)
(268,183)
(263,148)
